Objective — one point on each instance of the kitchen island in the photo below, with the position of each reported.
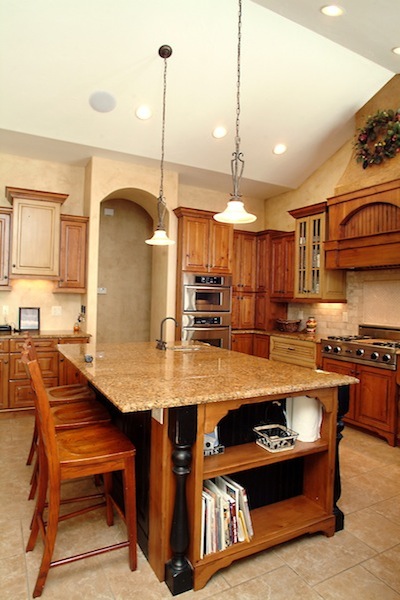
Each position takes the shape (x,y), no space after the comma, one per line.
(185,392)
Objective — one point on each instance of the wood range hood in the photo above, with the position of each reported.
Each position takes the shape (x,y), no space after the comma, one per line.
(364,228)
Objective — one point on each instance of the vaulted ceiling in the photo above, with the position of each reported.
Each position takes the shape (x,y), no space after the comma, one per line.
(303,78)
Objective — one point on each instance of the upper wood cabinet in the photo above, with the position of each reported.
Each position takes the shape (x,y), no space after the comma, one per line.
(36,232)
(311,280)
(204,245)
(244,261)
(263,245)
(5,227)
(73,246)
(282,265)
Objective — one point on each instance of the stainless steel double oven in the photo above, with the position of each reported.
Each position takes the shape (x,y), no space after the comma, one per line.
(207,305)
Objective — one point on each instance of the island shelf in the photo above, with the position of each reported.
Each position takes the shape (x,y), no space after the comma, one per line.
(272,524)
(251,456)
(302,506)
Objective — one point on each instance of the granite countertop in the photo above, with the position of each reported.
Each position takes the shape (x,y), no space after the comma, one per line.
(44,334)
(137,376)
(297,335)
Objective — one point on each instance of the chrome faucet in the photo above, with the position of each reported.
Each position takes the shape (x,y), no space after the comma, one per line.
(161,344)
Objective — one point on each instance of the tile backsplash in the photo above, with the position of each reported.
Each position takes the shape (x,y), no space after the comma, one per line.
(373,297)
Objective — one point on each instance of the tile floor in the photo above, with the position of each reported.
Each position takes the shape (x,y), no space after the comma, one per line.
(361,562)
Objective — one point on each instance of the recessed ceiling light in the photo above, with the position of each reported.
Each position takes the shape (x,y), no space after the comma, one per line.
(219,132)
(143,112)
(279,149)
(396,50)
(102,101)
(332,10)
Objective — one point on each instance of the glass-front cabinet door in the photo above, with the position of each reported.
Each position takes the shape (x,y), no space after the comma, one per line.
(311,279)
(308,249)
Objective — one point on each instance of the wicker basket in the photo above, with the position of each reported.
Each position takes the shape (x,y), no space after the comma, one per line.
(288,325)
(275,438)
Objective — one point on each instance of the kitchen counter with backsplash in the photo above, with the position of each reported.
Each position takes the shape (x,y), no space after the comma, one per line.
(138,377)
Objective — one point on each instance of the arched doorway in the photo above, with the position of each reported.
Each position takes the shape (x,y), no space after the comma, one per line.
(124,272)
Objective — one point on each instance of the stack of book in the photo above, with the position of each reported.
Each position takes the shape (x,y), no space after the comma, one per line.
(226,518)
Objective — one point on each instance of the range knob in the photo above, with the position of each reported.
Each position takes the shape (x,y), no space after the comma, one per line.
(328,348)
(386,358)
(374,355)
(360,352)
(337,349)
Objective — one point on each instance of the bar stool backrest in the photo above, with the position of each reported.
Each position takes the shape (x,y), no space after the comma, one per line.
(47,431)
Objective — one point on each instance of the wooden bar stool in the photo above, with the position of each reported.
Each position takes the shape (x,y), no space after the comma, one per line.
(74,453)
(71,405)
(74,392)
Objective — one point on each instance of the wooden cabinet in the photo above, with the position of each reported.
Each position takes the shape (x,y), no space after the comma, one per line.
(263,251)
(244,262)
(204,245)
(267,312)
(15,386)
(261,345)
(35,233)
(73,246)
(373,402)
(5,227)
(4,370)
(243,307)
(20,391)
(311,279)
(244,280)
(282,265)
(293,351)
(304,506)
(67,372)
(242,342)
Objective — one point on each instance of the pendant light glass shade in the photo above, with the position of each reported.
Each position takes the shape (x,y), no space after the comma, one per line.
(235,211)
(160,237)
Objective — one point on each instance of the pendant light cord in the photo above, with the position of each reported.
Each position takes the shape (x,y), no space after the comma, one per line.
(236,168)
(165,52)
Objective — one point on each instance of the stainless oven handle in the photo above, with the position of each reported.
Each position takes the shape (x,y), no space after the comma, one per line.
(223,328)
(207,288)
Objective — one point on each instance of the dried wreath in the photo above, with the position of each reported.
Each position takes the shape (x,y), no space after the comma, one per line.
(379,139)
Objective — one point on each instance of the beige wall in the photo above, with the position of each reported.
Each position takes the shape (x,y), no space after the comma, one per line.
(125,265)
(317,188)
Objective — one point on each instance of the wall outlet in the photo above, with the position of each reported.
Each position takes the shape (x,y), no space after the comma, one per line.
(56,311)
(5,309)
(102,290)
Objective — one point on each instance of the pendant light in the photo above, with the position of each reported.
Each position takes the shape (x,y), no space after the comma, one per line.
(235,211)
(160,237)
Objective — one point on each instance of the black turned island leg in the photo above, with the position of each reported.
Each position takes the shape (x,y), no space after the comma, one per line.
(343,407)
(182,433)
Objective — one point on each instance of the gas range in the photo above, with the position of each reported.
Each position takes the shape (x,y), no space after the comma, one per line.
(375,345)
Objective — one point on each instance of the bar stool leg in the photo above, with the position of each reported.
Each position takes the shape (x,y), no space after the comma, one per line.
(50,539)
